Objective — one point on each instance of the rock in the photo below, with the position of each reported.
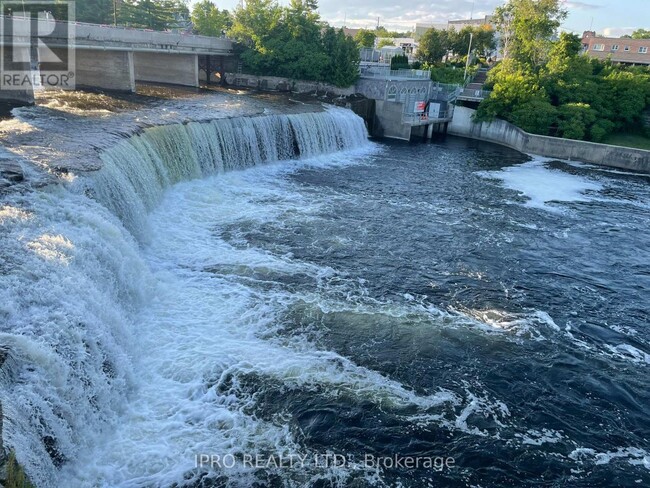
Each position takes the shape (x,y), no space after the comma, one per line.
(11,171)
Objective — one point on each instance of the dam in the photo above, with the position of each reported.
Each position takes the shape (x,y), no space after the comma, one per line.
(228,289)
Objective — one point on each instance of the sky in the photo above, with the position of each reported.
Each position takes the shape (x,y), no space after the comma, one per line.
(608,17)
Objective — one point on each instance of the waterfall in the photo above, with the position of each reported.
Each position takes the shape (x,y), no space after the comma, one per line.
(137,170)
(72,277)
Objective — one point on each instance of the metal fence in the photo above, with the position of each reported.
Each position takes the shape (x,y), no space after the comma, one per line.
(385,73)
(472,94)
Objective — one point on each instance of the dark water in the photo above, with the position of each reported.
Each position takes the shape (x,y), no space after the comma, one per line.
(535,317)
(450,301)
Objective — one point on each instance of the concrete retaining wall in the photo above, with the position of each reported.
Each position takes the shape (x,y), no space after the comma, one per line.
(388,121)
(276,83)
(504,133)
(175,69)
(110,70)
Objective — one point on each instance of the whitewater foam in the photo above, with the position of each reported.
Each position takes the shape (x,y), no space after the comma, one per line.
(543,186)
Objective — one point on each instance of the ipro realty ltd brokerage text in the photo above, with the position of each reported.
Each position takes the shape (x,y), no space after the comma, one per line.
(328,460)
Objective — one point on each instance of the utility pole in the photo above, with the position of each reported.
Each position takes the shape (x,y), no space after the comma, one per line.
(469,51)
(115,13)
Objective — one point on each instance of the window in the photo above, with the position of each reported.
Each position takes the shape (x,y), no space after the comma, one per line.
(599,47)
(615,47)
(392,93)
(627,48)
(643,50)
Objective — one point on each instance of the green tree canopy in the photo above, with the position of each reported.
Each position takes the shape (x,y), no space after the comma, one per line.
(293,42)
(434,45)
(527,27)
(208,20)
(384,42)
(365,38)
(641,34)
(151,14)
(95,11)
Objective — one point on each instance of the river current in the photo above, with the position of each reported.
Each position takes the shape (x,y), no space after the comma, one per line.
(453,300)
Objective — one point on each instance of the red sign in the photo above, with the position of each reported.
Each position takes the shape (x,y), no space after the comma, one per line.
(420,106)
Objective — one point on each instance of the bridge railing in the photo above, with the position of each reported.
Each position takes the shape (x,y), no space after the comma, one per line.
(105,32)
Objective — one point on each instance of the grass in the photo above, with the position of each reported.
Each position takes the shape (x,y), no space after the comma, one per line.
(638,141)
(16,477)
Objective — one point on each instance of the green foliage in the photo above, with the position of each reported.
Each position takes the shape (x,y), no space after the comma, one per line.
(95,11)
(434,44)
(401,61)
(526,28)
(450,73)
(365,38)
(483,40)
(148,14)
(641,34)
(208,20)
(382,32)
(151,14)
(562,93)
(536,115)
(384,42)
(574,119)
(291,42)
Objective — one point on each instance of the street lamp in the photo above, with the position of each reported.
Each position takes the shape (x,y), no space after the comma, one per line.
(469,50)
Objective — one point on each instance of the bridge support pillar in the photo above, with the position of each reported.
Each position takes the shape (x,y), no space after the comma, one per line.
(174,69)
(109,70)
(20,94)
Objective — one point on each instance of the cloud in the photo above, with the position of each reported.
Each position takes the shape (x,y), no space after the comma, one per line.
(617,31)
(364,13)
(573,4)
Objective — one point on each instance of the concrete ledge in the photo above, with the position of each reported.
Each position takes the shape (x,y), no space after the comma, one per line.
(276,83)
(506,134)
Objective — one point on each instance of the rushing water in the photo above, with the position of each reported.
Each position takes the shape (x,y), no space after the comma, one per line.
(446,300)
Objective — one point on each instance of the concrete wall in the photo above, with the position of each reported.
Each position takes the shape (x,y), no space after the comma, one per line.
(14,98)
(175,69)
(276,83)
(388,121)
(110,70)
(504,133)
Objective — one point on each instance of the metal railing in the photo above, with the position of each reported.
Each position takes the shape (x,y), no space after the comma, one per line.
(424,118)
(385,73)
(472,94)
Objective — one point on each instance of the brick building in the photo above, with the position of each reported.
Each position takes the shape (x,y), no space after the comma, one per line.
(619,49)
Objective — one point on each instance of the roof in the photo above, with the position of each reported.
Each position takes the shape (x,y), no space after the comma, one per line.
(618,49)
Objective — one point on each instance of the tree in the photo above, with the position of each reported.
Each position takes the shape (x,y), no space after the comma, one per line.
(291,42)
(401,61)
(95,11)
(483,40)
(641,34)
(526,28)
(208,20)
(365,38)
(384,42)
(151,14)
(434,44)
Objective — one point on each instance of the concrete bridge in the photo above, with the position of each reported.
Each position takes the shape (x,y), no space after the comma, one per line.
(112,58)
